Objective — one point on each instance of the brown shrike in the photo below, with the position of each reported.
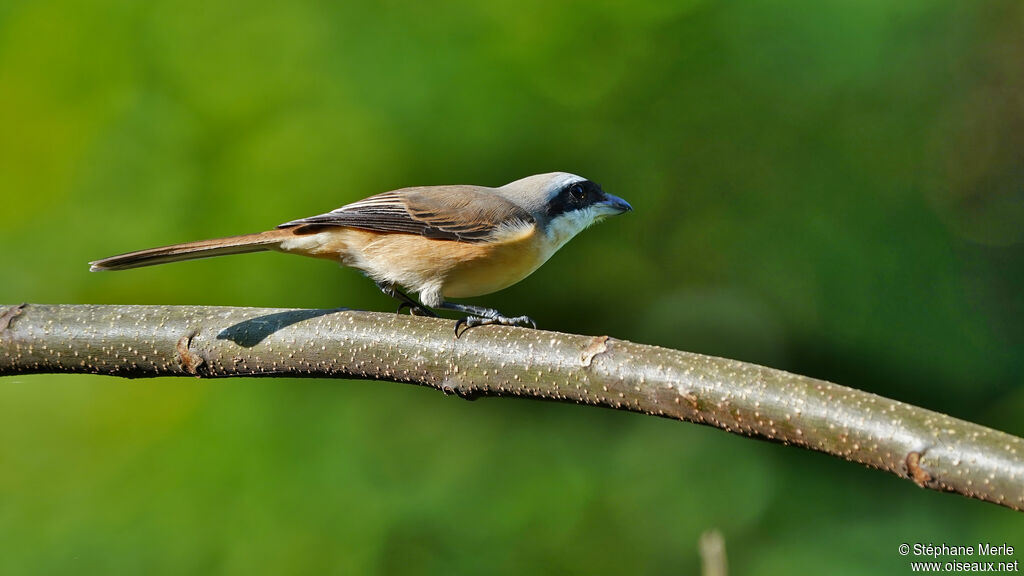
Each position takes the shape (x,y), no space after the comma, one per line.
(437,241)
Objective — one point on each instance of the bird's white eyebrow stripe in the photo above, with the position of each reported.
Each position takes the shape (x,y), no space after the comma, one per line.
(566,179)
(560,182)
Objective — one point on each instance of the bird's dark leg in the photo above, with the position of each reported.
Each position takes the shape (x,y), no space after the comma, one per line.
(480,316)
(415,308)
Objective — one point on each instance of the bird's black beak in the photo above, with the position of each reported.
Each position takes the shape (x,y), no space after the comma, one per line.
(615,204)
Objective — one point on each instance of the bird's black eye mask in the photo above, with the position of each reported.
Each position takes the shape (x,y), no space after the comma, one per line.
(575,196)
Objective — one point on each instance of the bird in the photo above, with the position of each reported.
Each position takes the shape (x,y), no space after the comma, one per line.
(438,242)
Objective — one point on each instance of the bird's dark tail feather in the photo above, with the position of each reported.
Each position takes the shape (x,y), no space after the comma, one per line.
(193,250)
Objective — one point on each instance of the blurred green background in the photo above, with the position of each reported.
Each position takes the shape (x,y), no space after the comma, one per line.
(831,188)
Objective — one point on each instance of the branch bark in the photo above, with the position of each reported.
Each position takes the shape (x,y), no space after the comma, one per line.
(933,450)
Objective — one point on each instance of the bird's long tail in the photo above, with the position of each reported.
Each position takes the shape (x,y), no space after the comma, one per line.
(193,250)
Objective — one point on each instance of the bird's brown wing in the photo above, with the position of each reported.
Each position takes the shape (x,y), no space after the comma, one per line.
(460,213)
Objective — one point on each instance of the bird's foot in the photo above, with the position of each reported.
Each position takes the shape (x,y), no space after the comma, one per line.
(405,301)
(474,321)
(416,310)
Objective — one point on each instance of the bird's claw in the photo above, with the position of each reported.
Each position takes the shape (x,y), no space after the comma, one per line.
(415,310)
(474,321)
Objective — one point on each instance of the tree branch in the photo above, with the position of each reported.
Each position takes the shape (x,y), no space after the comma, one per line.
(933,450)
